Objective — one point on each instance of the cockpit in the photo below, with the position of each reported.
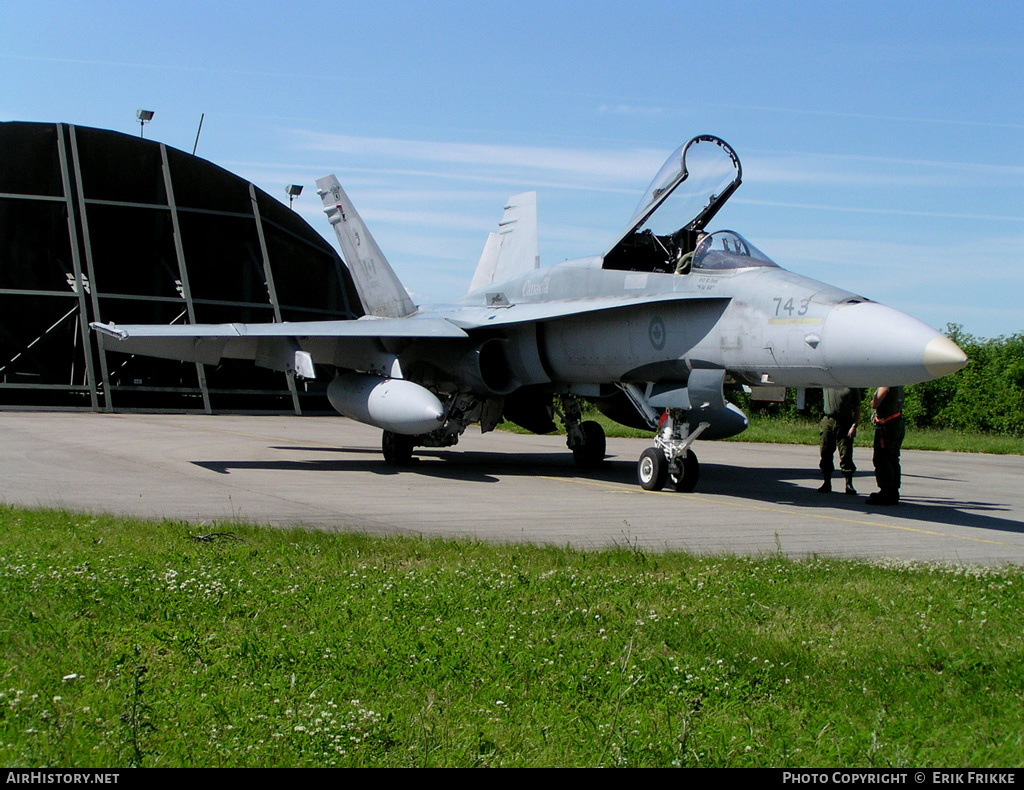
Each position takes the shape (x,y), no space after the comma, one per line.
(666,233)
(726,249)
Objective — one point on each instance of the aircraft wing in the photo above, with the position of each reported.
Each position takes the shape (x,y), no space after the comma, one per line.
(208,343)
(361,327)
(356,344)
(270,345)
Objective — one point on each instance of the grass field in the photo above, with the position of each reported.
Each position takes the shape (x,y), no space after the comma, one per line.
(794,431)
(165,644)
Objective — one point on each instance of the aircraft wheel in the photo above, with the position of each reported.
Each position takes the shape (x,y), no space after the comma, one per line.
(652,470)
(397,448)
(687,481)
(592,451)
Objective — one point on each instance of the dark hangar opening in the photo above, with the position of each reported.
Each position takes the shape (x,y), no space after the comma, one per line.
(97,225)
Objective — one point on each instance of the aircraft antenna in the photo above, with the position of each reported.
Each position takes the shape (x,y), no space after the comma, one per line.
(199,131)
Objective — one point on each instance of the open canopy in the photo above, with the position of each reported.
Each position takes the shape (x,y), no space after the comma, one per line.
(687,192)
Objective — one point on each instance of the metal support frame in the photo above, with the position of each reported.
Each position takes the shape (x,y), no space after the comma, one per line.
(179,252)
(271,290)
(77,263)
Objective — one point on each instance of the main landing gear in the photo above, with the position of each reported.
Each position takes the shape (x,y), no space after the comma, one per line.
(585,438)
(671,460)
(461,409)
(397,448)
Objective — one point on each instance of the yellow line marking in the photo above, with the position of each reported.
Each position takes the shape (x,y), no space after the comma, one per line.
(625,489)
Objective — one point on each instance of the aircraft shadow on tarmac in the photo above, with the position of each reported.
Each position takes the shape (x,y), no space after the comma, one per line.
(474,467)
(795,487)
(798,487)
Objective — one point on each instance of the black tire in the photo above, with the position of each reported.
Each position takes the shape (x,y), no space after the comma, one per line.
(687,481)
(652,469)
(591,453)
(397,448)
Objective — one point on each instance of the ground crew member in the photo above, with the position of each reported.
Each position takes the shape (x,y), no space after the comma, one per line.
(838,429)
(889,432)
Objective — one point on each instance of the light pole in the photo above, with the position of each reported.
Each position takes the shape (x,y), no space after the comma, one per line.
(293,191)
(144,116)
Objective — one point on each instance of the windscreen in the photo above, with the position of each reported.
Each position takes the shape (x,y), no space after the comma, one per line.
(726,249)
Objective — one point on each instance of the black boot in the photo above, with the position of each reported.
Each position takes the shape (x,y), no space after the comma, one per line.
(826,487)
(849,486)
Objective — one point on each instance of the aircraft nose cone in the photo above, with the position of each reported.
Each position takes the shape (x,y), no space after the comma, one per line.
(942,356)
(868,344)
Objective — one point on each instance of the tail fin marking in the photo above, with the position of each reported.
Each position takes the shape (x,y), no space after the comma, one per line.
(379,288)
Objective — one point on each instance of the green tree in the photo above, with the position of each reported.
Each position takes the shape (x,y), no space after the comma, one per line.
(986,396)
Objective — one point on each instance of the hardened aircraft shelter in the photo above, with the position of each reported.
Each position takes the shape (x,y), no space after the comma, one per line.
(101,226)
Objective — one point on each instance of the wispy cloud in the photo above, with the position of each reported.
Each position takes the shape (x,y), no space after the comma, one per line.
(992,260)
(880,117)
(449,220)
(175,67)
(627,169)
(629,110)
(627,166)
(374,176)
(790,165)
(879,210)
(765,170)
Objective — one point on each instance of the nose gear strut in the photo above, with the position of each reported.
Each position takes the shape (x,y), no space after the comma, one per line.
(671,459)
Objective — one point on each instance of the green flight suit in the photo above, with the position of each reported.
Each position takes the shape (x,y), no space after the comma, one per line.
(842,412)
(890,429)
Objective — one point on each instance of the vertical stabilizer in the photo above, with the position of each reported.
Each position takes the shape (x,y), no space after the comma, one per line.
(380,290)
(485,269)
(514,249)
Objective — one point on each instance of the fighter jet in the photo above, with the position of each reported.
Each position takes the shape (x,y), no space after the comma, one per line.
(654,333)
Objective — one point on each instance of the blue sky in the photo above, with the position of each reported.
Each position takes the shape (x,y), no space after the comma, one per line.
(882,143)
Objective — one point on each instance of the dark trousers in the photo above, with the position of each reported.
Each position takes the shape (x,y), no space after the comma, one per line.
(835,434)
(888,441)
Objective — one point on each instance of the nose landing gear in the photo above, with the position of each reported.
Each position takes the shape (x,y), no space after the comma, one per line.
(671,459)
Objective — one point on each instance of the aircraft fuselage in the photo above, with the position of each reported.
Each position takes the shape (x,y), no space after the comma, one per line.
(765,325)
